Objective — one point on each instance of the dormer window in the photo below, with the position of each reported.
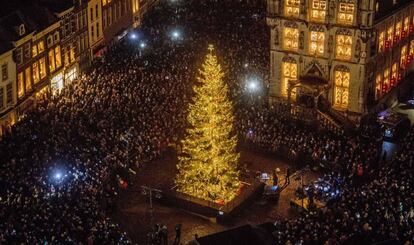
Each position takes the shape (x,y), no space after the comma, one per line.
(318,10)
(292,8)
(346,13)
(22,30)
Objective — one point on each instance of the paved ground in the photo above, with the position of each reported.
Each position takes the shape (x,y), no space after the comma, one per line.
(133,207)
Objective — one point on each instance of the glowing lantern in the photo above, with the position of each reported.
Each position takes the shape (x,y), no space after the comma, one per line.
(392,83)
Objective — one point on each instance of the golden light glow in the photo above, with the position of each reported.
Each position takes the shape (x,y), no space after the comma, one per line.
(403,58)
(406,24)
(28,78)
(291,38)
(40,47)
(411,52)
(51,60)
(317,43)
(346,13)
(378,81)
(42,66)
(34,50)
(289,72)
(386,80)
(341,90)
(35,72)
(398,28)
(343,47)
(292,8)
(135,6)
(207,168)
(20,84)
(394,71)
(381,41)
(318,10)
(390,34)
(58,58)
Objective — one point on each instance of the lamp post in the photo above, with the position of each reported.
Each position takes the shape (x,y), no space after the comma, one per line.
(146,190)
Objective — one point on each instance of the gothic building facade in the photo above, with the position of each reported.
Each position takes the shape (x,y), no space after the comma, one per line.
(345,54)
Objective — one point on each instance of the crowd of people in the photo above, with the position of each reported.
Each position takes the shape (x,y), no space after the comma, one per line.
(64,163)
(379,210)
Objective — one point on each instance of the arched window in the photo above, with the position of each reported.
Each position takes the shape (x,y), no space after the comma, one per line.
(341,87)
(317,43)
(291,37)
(343,46)
(289,72)
(378,86)
(292,8)
(346,13)
(318,10)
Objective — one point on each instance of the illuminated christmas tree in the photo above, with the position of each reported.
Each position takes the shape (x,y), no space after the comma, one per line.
(208,166)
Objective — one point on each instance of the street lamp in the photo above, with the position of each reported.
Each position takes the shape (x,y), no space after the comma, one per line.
(176,35)
(253,85)
(133,36)
(151,192)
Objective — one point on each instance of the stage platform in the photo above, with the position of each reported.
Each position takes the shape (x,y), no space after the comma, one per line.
(216,212)
(303,204)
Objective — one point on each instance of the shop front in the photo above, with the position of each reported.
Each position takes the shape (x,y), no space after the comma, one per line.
(57,83)
(71,74)
(6,122)
(25,107)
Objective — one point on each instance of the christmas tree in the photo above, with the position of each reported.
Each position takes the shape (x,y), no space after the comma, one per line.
(208,166)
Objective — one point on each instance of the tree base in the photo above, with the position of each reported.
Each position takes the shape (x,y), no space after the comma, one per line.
(220,213)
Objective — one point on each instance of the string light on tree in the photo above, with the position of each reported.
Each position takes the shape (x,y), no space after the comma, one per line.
(208,166)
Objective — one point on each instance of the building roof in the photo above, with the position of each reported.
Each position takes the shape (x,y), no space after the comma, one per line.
(35,15)
(387,7)
(9,29)
(56,6)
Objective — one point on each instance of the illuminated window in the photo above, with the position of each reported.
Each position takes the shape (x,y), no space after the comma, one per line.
(390,35)
(292,8)
(317,43)
(42,67)
(58,58)
(135,6)
(291,38)
(398,28)
(28,79)
(386,82)
(394,74)
(20,84)
(411,52)
(346,13)
(406,25)
(318,10)
(289,72)
(34,50)
(403,58)
(40,47)
(378,86)
(103,2)
(343,47)
(66,57)
(51,60)
(341,90)
(381,41)
(35,72)
(72,54)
